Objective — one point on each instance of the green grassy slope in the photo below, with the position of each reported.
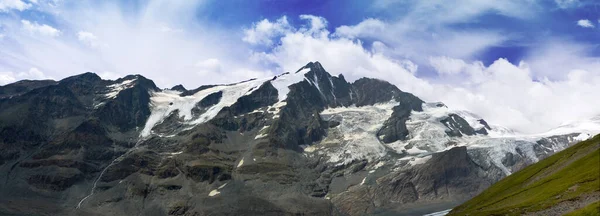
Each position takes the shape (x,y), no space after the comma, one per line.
(563,177)
(590,210)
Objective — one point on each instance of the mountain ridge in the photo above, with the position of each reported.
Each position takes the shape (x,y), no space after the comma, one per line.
(296,143)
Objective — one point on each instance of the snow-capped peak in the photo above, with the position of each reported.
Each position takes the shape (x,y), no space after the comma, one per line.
(284,81)
(165,102)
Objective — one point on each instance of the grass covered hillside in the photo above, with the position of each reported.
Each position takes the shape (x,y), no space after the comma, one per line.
(567,182)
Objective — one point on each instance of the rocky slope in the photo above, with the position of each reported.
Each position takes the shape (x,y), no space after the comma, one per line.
(568,181)
(303,142)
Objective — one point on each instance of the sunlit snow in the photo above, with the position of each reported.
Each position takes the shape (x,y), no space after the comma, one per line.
(118,87)
(282,82)
(165,102)
(240,163)
(355,137)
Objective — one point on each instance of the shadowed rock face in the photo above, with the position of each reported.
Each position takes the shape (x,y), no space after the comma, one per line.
(63,141)
(446,177)
(54,137)
(23,86)
(371,91)
(178,88)
(457,126)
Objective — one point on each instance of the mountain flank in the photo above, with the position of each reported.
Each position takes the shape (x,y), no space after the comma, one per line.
(566,182)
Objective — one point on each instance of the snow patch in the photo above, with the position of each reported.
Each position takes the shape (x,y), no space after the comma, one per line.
(310,149)
(470,118)
(497,148)
(240,163)
(414,150)
(426,132)
(355,138)
(378,165)
(260,136)
(166,102)
(214,193)
(316,84)
(582,137)
(118,87)
(98,105)
(174,153)
(284,81)
(262,133)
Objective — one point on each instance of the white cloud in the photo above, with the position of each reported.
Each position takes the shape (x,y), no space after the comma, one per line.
(585,23)
(209,66)
(421,29)
(407,39)
(316,25)
(88,38)
(446,65)
(370,27)
(338,55)
(129,43)
(165,28)
(35,28)
(31,74)
(6,5)
(265,31)
(6,78)
(567,3)
(554,58)
(262,33)
(109,75)
(509,95)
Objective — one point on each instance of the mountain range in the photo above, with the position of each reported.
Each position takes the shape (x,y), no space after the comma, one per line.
(299,143)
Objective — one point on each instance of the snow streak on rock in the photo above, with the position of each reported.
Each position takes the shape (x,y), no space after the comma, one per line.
(166,102)
(118,87)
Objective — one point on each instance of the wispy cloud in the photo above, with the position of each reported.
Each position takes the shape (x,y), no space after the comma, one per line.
(43,29)
(6,5)
(88,38)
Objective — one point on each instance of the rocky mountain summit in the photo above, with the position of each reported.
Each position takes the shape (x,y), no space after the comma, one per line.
(302,142)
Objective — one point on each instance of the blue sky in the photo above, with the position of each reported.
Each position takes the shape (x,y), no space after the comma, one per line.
(520,63)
